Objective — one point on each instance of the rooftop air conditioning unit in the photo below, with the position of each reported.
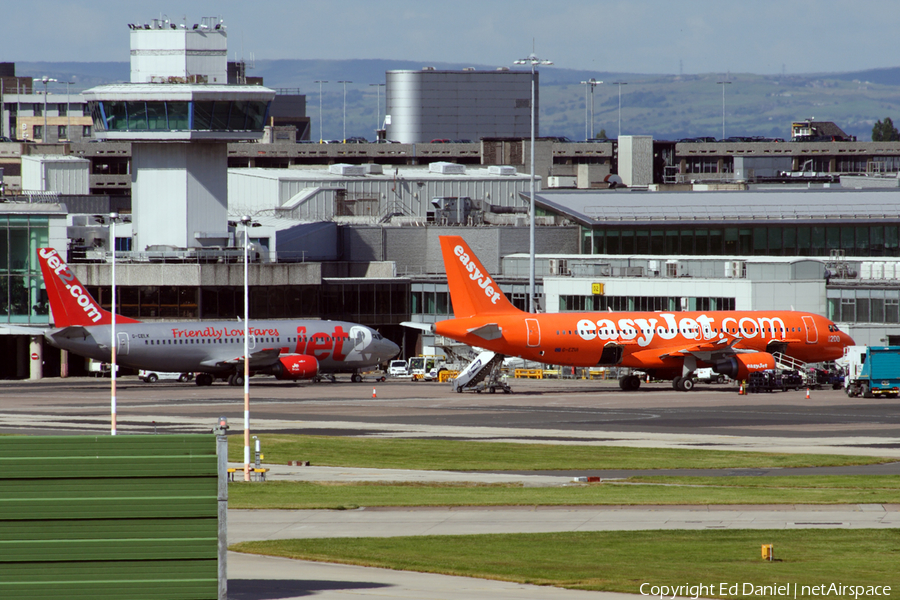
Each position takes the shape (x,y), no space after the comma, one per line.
(559,266)
(446,168)
(347,170)
(501,170)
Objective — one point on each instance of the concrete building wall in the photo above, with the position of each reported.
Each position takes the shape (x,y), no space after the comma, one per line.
(636,160)
(179,179)
(790,295)
(161,52)
(749,295)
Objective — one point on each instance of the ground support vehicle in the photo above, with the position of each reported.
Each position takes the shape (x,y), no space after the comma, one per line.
(819,378)
(707,375)
(426,368)
(872,371)
(774,380)
(398,368)
(154,376)
(482,374)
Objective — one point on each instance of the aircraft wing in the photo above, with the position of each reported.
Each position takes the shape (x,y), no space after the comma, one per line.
(706,351)
(258,359)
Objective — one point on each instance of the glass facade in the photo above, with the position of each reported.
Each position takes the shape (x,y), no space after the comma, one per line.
(650,303)
(776,239)
(215,302)
(864,305)
(172,115)
(23,298)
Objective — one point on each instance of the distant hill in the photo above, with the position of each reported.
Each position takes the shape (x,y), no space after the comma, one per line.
(665,106)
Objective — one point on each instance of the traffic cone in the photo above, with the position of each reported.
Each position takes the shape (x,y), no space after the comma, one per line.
(374,395)
(741,389)
(807,393)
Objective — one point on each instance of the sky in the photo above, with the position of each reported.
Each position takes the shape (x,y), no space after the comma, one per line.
(625,36)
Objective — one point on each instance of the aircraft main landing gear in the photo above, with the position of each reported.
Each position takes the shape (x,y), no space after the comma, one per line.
(630,383)
(204,379)
(683,384)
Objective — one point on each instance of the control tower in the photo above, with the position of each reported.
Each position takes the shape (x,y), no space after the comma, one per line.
(179,113)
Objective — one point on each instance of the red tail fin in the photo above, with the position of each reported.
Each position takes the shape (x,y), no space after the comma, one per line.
(472,290)
(70,302)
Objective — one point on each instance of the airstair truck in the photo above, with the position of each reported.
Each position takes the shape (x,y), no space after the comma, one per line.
(872,371)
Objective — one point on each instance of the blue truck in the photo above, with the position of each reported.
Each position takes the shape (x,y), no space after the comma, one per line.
(872,371)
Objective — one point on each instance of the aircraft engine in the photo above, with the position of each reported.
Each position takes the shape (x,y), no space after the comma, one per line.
(740,366)
(296,366)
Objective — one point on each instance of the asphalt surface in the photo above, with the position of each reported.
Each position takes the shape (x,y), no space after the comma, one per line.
(556,412)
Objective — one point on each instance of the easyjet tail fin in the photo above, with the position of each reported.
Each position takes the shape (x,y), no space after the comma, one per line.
(70,302)
(472,291)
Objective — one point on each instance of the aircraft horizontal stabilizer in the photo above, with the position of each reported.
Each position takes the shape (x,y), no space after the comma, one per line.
(429,327)
(70,333)
(491,331)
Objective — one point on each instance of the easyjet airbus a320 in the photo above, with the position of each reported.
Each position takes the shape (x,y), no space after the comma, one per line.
(665,345)
(295,349)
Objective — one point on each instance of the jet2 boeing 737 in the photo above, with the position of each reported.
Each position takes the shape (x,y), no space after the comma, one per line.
(287,349)
(665,345)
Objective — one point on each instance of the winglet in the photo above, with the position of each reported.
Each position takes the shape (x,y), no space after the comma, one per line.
(472,291)
(70,302)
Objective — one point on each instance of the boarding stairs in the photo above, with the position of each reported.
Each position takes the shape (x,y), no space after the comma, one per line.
(783,361)
(483,373)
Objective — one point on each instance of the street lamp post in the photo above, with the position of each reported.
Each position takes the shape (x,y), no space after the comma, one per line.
(320,82)
(533,61)
(68,119)
(344,140)
(113,219)
(247,223)
(620,84)
(592,83)
(45,80)
(377,87)
(723,84)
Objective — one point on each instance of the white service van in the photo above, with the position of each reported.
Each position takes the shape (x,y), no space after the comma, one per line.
(397,368)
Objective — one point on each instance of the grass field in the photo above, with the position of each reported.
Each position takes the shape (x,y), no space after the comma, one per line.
(293,495)
(611,561)
(622,561)
(454,455)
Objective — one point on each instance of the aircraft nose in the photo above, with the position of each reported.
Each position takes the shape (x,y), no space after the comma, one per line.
(389,349)
(846,340)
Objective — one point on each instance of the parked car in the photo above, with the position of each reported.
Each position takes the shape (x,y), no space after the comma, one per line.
(154,376)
